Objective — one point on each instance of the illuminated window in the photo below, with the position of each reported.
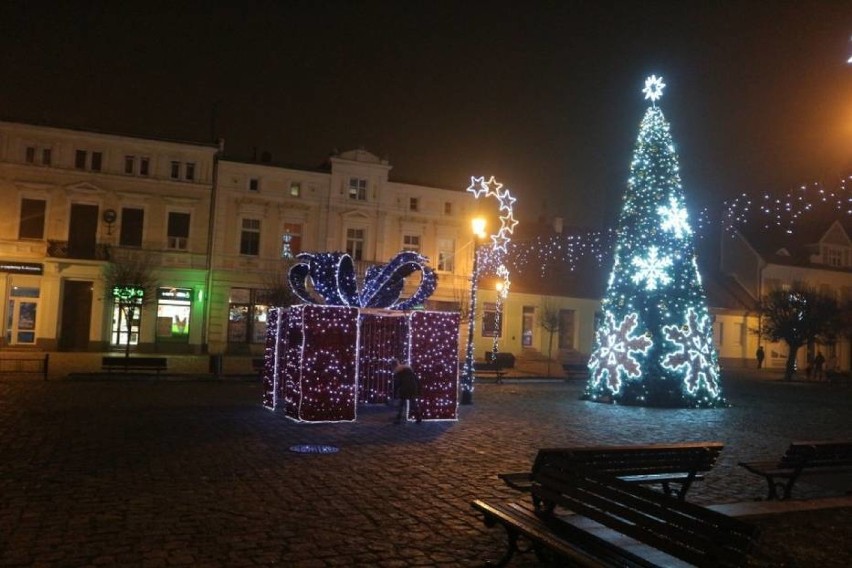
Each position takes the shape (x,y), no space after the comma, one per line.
(355,243)
(411,242)
(247,313)
(295,189)
(358,189)
(250,237)
(178,230)
(446,255)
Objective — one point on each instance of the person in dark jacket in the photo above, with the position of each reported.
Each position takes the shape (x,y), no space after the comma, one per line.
(406,388)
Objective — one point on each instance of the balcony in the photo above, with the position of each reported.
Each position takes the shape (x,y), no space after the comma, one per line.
(88,251)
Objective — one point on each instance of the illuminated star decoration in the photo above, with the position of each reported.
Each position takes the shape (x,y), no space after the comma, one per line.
(480,187)
(614,357)
(694,356)
(652,269)
(653,88)
(675,219)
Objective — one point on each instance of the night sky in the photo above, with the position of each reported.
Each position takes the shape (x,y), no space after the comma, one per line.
(544,95)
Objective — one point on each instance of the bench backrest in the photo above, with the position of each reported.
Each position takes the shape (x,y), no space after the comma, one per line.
(152,362)
(818,454)
(697,535)
(634,460)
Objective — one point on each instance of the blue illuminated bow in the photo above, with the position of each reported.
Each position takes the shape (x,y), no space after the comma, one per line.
(332,276)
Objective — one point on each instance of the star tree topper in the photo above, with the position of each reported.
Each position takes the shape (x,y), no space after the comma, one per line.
(653,88)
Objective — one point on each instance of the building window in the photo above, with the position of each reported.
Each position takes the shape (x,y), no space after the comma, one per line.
(174,172)
(489,321)
(527,326)
(97,160)
(254,184)
(448,208)
(174,311)
(411,242)
(833,257)
(566,329)
(144,164)
(31,224)
(413,204)
(446,255)
(355,243)
(358,189)
(295,189)
(189,172)
(131,227)
(46,156)
(250,237)
(30,155)
(129,164)
(291,239)
(80,159)
(178,230)
(247,312)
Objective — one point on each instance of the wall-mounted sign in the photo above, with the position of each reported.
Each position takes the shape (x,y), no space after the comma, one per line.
(21,267)
(180,294)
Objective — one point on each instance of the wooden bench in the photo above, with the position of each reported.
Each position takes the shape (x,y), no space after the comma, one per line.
(489,368)
(134,364)
(587,518)
(802,458)
(665,464)
(34,365)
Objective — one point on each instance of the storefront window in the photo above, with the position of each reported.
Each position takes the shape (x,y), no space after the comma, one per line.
(174,307)
(21,315)
(247,313)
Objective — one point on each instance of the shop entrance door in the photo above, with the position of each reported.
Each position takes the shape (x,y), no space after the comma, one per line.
(76,315)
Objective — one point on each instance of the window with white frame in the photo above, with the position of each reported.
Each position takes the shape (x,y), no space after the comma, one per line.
(411,242)
(295,189)
(178,230)
(355,243)
(250,237)
(446,255)
(358,189)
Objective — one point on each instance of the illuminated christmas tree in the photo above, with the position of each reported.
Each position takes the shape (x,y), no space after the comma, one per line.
(654,343)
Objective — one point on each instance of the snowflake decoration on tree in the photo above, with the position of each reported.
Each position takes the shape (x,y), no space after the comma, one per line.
(652,269)
(616,347)
(694,352)
(675,219)
(653,88)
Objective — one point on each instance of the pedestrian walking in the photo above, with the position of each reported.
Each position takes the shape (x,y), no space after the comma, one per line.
(760,356)
(819,362)
(406,388)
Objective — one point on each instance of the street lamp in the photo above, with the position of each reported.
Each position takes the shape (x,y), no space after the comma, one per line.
(478,226)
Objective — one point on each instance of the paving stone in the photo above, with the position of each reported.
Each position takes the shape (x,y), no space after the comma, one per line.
(166,473)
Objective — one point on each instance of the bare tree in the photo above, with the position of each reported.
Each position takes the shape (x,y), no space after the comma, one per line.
(549,321)
(798,316)
(131,282)
(277,292)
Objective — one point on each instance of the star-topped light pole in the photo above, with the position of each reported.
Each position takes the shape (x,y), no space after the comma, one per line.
(654,343)
(480,187)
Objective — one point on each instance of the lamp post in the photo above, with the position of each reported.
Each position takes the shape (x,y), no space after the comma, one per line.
(478,226)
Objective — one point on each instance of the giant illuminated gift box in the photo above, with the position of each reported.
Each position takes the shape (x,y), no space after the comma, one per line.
(322,360)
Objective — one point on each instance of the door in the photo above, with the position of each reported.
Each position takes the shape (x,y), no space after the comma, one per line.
(76,315)
(82,231)
(21,315)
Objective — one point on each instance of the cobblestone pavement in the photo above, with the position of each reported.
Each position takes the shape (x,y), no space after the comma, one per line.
(197,473)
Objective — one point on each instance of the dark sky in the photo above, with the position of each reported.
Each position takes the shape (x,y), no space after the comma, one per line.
(544,95)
